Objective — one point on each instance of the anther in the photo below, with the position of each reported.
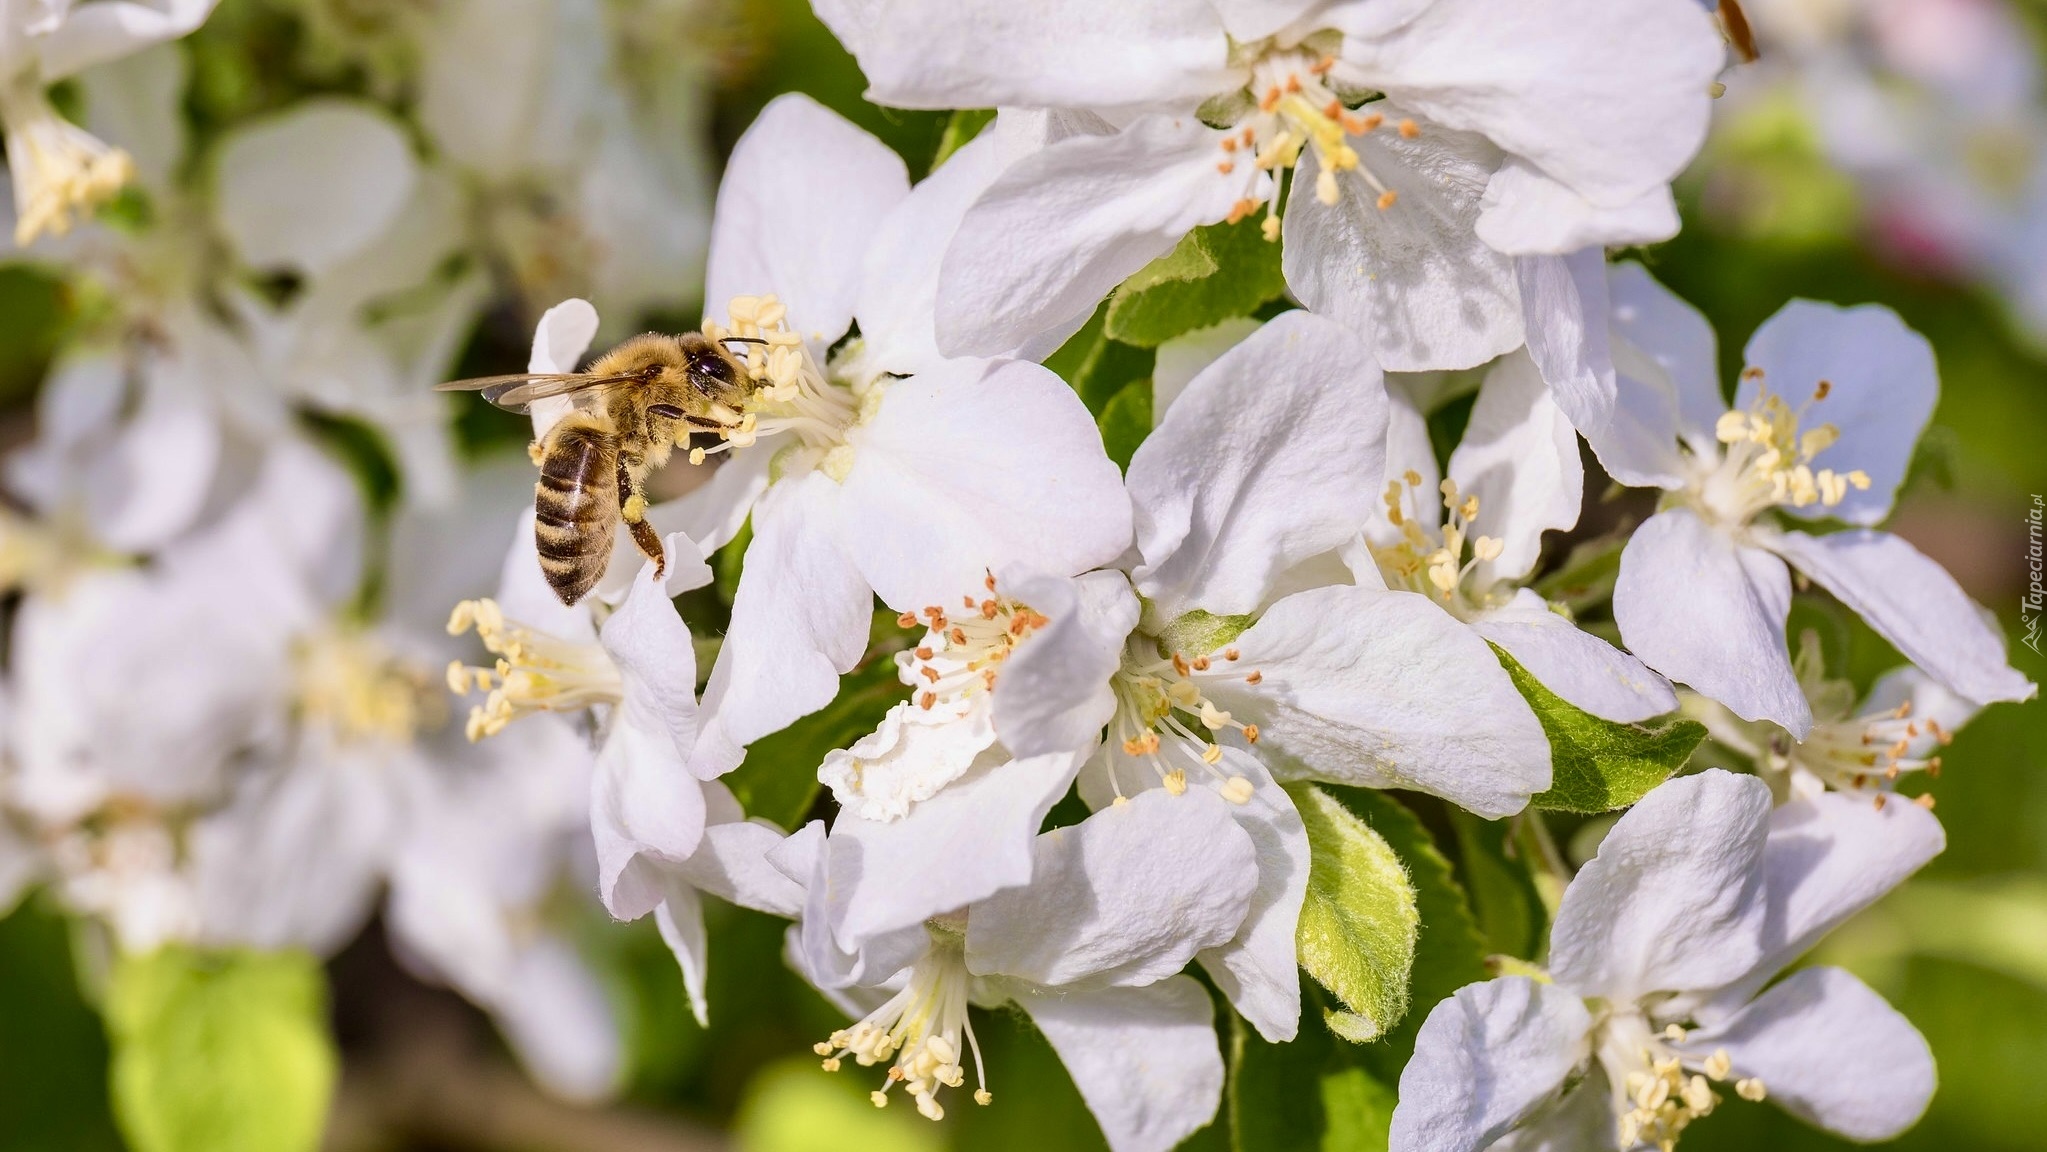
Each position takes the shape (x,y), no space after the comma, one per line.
(1409,130)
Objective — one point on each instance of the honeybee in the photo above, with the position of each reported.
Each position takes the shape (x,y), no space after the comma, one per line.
(631,406)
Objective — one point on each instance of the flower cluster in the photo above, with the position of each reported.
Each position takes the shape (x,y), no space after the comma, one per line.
(1126,656)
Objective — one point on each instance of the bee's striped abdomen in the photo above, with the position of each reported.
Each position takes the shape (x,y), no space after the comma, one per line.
(575,506)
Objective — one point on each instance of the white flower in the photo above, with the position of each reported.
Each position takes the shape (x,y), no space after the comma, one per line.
(59,169)
(1469,542)
(660,832)
(1898,728)
(586,152)
(1498,132)
(876,467)
(1091,950)
(1253,656)
(1699,896)
(1823,426)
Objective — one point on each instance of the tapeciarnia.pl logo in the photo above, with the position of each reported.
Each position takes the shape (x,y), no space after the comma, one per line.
(2030,608)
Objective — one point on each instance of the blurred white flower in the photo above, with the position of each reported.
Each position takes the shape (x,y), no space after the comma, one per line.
(1823,426)
(59,170)
(1090,950)
(1496,133)
(1698,898)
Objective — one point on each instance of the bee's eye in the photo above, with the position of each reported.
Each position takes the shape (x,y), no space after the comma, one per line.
(712,367)
(665,411)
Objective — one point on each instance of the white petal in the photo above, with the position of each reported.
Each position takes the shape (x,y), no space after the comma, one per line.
(1386,690)
(1564,313)
(1054,693)
(1674,900)
(1519,457)
(161,468)
(1581,1121)
(1928,699)
(1664,368)
(1259,971)
(1912,602)
(138,107)
(1526,212)
(1062,226)
(1881,386)
(646,811)
(1061,53)
(1127,896)
(680,919)
(1184,357)
(735,861)
(899,281)
(1705,611)
(1226,503)
(909,757)
(803,195)
(1408,449)
(799,619)
(971,840)
(973,468)
(1576,665)
(92,34)
(1485,1060)
(1832,1052)
(559,1022)
(1413,280)
(1546,84)
(560,339)
(1830,856)
(307,188)
(1144,1059)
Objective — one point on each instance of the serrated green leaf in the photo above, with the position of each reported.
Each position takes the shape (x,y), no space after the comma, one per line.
(1504,899)
(1312,1093)
(960,129)
(1359,921)
(220,1052)
(778,779)
(1598,765)
(1216,272)
(1096,367)
(1125,421)
(1449,952)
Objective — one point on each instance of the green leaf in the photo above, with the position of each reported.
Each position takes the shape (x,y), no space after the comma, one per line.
(960,129)
(1096,367)
(1312,1093)
(1200,632)
(1449,953)
(1216,272)
(727,562)
(1599,765)
(1126,421)
(778,779)
(220,1052)
(1359,922)
(1503,893)
(1587,576)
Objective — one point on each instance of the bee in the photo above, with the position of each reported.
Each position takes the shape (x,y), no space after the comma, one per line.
(631,406)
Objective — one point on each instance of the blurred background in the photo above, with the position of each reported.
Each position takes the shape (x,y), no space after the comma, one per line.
(1880,150)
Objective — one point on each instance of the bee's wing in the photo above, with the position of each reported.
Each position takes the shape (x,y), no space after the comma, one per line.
(513,392)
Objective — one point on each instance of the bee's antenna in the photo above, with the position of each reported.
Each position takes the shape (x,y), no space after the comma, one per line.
(741,340)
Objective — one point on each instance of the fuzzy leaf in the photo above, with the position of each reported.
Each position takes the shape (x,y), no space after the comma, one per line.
(1598,765)
(1214,273)
(1359,922)
(220,1052)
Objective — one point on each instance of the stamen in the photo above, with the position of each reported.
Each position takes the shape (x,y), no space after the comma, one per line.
(535,672)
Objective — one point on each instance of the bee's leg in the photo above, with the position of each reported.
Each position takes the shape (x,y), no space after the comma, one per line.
(632,507)
(536,451)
